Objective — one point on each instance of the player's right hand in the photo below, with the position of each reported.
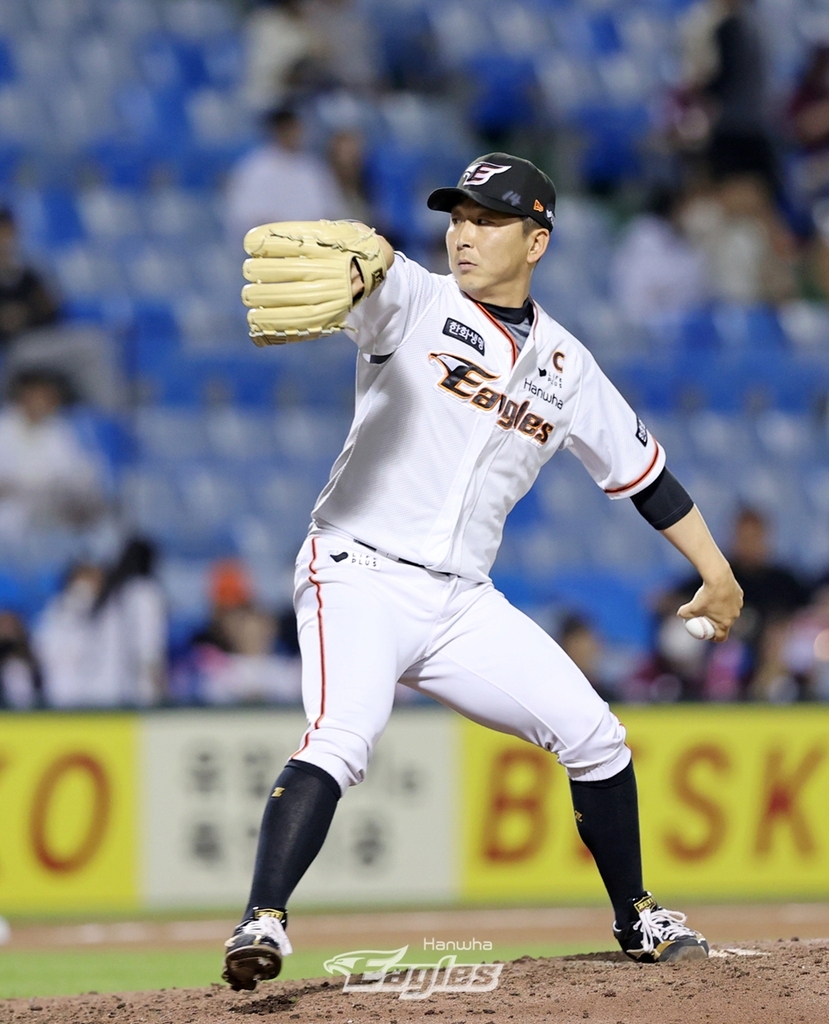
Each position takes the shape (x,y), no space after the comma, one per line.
(719,600)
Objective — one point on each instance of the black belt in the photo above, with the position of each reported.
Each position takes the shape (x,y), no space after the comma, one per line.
(397,558)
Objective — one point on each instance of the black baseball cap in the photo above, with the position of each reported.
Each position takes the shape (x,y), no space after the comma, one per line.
(505,183)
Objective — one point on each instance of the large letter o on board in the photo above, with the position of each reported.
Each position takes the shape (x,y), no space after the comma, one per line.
(98,820)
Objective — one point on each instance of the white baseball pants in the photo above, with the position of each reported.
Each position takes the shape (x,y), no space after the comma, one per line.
(367,621)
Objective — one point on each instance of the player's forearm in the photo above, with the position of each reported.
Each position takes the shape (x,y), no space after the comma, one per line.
(692,538)
(719,598)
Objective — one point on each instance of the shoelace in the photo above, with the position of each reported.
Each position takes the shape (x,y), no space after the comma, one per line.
(661,926)
(270,927)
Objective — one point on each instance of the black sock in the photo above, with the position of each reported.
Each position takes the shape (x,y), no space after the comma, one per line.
(607,817)
(294,826)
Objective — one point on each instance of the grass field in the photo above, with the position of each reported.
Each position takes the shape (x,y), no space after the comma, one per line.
(56,955)
(52,972)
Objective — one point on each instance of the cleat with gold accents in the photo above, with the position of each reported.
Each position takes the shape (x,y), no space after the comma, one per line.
(655,935)
(254,951)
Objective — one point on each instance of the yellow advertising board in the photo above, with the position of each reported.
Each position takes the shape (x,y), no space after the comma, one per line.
(67,812)
(733,805)
(114,811)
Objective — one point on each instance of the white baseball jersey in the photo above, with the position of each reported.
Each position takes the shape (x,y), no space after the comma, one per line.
(453,424)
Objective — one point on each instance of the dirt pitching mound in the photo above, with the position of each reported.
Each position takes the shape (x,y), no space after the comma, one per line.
(778,983)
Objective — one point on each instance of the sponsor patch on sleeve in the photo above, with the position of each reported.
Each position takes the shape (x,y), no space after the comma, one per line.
(641,433)
(454,329)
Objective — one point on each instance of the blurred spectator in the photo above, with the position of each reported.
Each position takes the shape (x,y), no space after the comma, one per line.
(748,663)
(64,641)
(20,681)
(773,679)
(347,159)
(770,591)
(102,641)
(25,300)
(251,670)
(279,181)
(809,126)
(129,616)
(31,338)
(809,118)
(749,251)
(725,68)
(280,38)
(235,658)
(348,44)
(47,480)
(656,271)
(582,645)
(675,670)
(796,665)
(230,587)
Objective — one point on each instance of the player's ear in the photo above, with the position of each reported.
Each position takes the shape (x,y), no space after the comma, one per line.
(539,240)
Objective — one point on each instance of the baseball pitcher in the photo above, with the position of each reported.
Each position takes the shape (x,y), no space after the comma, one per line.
(465,388)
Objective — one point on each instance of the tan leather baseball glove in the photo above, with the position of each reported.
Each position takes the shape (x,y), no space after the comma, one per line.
(300,274)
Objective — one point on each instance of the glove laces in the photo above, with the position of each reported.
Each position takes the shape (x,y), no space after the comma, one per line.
(270,927)
(659,925)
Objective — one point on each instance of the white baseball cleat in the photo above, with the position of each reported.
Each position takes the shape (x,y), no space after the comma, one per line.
(656,935)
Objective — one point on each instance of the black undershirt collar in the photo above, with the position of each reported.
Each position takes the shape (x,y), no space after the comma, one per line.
(511,314)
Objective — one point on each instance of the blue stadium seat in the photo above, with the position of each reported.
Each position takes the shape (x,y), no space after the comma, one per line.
(164,434)
(212,498)
(393,175)
(11,592)
(8,67)
(61,223)
(26,591)
(223,60)
(10,156)
(155,118)
(153,503)
(153,336)
(613,136)
(749,327)
(505,93)
(651,385)
(697,330)
(406,44)
(788,385)
(604,33)
(169,62)
(105,435)
(197,382)
(199,166)
(122,163)
(614,602)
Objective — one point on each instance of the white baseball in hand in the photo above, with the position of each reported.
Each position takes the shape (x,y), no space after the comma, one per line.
(700,628)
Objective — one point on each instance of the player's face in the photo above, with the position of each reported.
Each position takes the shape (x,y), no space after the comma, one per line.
(490,254)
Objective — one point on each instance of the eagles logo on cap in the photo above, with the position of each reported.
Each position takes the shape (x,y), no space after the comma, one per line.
(479,173)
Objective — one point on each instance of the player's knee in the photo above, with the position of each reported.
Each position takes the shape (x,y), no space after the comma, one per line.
(343,755)
(601,754)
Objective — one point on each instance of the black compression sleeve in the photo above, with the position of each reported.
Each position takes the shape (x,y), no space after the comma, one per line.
(664,502)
